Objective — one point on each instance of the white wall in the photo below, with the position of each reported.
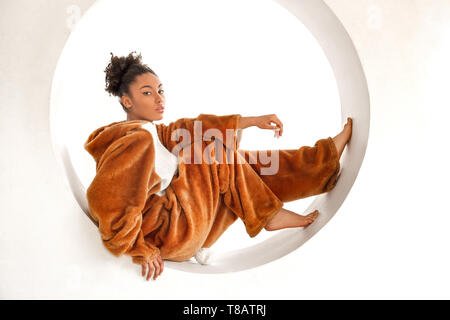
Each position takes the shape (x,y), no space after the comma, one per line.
(388,240)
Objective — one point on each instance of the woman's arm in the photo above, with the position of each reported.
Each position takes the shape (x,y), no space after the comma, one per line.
(246,122)
(262,122)
(125,178)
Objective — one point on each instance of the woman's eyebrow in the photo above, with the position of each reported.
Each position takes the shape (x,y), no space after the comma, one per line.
(151,86)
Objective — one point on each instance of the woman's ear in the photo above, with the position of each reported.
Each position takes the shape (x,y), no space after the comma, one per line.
(126,101)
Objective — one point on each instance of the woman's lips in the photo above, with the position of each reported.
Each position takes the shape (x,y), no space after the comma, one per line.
(160,109)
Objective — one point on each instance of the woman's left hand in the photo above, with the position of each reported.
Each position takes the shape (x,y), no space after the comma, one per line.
(156,265)
(264,122)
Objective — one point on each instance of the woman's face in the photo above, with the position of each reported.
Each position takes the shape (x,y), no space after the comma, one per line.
(146,100)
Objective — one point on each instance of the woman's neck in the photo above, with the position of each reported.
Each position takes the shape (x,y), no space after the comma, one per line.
(131,118)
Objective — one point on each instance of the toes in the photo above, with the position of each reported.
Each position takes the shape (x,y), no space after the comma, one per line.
(312,216)
(309,218)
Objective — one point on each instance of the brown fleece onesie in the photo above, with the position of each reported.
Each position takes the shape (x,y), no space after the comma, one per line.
(203,199)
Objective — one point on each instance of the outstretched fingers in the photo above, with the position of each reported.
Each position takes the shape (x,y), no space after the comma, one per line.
(161,262)
(155,268)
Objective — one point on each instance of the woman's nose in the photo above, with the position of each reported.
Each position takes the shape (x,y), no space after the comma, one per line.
(160,97)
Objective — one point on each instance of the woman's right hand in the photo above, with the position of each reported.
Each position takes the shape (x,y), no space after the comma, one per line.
(156,265)
(265,122)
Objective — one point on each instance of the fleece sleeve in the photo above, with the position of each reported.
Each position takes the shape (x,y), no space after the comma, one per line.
(124,179)
(172,138)
(221,123)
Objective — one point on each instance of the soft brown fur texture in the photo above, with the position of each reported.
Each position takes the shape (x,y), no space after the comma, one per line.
(202,200)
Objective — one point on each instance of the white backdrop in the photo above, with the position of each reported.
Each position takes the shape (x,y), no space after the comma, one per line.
(388,240)
(230,66)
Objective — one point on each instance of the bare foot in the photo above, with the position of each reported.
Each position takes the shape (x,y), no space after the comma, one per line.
(308,219)
(348,128)
(343,137)
(289,219)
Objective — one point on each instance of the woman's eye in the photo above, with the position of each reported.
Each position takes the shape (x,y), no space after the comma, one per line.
(148,92)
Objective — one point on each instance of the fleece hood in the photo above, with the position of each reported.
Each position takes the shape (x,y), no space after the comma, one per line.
(100,139)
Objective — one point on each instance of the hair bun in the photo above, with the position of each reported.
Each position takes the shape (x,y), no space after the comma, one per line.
(116,69)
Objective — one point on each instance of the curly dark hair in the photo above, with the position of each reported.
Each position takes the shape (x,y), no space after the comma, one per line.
(121,72)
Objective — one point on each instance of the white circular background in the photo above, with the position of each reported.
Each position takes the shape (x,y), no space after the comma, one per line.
(222,58)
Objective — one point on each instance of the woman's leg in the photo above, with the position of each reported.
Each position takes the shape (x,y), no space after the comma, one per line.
(289,219)
(250,198)
(299,173)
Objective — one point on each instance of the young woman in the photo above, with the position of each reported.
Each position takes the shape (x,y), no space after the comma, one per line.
(153,199)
